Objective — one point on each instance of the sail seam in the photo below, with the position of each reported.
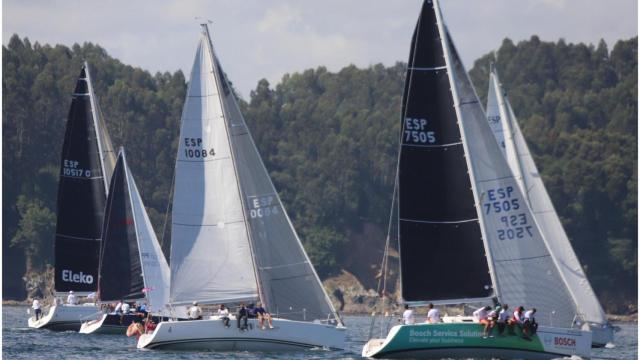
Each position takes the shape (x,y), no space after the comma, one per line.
(428,68)
(200,225)
(496,179)
(434,146)
(77,237)
(201,161)
(524,258)
(283,266)
(81,178)
(440,222)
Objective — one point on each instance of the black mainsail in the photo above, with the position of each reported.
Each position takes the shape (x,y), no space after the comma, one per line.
(85,166)
(442,254)
(120,267)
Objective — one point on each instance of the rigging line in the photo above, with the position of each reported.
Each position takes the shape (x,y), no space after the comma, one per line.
(166,213)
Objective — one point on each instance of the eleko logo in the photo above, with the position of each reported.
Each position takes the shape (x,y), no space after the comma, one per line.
(563,341)
(82,278)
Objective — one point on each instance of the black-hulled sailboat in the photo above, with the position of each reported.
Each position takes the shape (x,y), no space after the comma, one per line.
(132,265)
(466,233)
(86,165)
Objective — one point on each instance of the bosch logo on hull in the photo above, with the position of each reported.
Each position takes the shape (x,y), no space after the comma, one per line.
(80,278)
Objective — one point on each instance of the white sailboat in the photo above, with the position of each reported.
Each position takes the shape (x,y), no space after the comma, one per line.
(232,240)
(87,161)
(132,265)
(588,313)
(466,233)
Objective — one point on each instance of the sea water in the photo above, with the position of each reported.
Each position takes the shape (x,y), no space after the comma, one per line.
(21,342)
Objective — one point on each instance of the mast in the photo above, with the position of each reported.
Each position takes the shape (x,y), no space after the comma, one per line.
(456,101)
(216,71)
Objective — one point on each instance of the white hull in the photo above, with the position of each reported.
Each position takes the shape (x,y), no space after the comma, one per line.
(602,335)
(213,335)
(64,317)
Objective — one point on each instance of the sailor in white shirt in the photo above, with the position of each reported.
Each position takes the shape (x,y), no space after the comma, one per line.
(530,325)
(36,308)
(223,313)
(195,313)
(482,314)
(503,317)
(72,299)
(125,308)
(118,308)
(407,316)
(433,316)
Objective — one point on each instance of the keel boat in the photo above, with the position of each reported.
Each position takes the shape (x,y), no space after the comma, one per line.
(589,314)
(231,238)
(86,165)
(132,265)
(466,233)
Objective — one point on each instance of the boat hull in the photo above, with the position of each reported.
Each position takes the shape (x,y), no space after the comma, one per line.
(112,324)
(211,334)
(64,317)
(464,340)
(602,335)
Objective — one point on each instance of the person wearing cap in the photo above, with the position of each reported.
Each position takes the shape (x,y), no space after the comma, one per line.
(72,299)
(530,326)
(195,313)
(242,316)
(493,319)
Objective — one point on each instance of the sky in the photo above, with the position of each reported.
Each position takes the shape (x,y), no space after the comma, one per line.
(257,39)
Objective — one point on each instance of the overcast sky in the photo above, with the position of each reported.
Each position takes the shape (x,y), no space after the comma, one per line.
(267,38)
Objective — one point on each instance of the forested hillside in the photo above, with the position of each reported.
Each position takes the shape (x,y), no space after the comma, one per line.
(330,142)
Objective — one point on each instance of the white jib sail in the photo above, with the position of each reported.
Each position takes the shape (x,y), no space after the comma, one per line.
(211,257)
(155,270)
(524,271)
(524,168)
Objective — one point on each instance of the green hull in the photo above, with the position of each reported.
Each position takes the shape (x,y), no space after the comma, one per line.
(465,339)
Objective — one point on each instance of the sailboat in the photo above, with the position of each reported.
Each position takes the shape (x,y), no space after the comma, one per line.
(85,169)
(232,240)
(132,265)
(466,234)
(587,309)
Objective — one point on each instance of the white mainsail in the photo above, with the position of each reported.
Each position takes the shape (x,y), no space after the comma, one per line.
(211,259)
(155,269)
(523,269)
(516,151)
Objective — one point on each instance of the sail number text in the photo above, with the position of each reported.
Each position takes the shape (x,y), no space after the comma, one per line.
(511,226)
(262,206)
(70,168)
(193,148)
(414,132)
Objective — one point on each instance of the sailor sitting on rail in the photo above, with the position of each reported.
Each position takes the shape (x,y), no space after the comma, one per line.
(482,316)
(433,316)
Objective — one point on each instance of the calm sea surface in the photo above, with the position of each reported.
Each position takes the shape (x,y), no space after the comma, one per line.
(20,342)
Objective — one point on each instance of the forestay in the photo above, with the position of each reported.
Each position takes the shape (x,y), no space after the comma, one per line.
(211,257)
(500,113)
(523,268)
(441,249)
(289,285)
(86,162)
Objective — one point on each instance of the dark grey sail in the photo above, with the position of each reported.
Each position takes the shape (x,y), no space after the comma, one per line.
(120,275)
(441,248)
(87,157)
(288,283)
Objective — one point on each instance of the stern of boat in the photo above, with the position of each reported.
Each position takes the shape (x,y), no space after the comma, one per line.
(91,326)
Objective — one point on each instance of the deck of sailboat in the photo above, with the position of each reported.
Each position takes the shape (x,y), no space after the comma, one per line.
(211,334)
(63,317)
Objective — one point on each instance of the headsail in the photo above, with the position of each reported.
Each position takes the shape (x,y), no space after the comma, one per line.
(290,286)
(523,268)
(86,162)
(132,265)
(500,113)
(211,259)
(120,267)
(441,249)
